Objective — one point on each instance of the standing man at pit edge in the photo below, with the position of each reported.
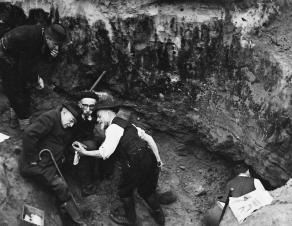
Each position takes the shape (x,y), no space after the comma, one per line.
(140,162)
(44,145)
(21,49)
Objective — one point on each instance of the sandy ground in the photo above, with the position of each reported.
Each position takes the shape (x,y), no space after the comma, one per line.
(195,176)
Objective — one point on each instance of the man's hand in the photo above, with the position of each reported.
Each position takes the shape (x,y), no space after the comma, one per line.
(55,52)
(79,147)
(40,84)
(160,164)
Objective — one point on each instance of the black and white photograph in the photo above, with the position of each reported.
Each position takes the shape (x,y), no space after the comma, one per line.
(146,112)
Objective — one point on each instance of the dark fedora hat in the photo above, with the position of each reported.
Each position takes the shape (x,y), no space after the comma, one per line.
(115,105)
(87,94)
(109,105)
(57,32)
(73,108)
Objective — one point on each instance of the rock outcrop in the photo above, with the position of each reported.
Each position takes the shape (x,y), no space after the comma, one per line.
(223,68)
(215,70)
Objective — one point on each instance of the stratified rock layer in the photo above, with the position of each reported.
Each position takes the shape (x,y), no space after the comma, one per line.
(218,72)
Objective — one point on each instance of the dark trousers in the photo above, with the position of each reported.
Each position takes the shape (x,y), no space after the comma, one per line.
(47,176)
(87,169)
(15,88)
(90,169)
(141,173)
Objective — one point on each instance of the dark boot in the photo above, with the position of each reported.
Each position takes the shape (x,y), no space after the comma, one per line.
(73,212)
(129,206)
(129,218)
(155,209)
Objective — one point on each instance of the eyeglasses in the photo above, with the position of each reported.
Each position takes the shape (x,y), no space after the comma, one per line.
(90,106)
(72,121)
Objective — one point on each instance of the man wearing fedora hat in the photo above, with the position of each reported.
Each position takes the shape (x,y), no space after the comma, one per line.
(139,158)
(44,144)
(21,49)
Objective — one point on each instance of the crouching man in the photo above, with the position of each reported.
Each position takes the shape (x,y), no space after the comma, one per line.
(242,184)
(44,143)
(139,162)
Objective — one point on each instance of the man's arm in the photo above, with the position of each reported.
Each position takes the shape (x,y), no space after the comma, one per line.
(150,141)
(113,135)
(36,131)
(15,39)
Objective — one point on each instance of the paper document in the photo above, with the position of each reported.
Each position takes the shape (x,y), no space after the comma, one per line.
(33,215)
(3,137)
(245,205)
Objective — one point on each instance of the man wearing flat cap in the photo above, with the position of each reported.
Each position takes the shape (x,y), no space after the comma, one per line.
(21,50)
(44,144)
(87,169)
(139,158)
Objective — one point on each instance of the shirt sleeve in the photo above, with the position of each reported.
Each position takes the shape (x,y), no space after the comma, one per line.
(258,185)
(113,135)
(141,133)
(150,141)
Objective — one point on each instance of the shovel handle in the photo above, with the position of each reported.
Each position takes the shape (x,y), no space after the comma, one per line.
(97,81)
(226,204)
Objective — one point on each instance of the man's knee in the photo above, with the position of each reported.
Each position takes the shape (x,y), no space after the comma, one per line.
(125,191)
(61,189)
(26,170)
(147,186)
(59,183)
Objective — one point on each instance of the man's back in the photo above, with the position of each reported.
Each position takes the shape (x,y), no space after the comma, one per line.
(26,39)
(241,185)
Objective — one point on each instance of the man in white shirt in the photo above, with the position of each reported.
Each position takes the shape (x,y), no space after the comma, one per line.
(139,157)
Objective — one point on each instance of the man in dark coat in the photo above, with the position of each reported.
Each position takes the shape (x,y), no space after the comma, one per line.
(90,170)
(87,169)
(20,51)
(139,158)
(51,131)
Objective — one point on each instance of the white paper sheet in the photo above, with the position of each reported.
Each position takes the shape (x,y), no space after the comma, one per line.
(245,205)
(3,137)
